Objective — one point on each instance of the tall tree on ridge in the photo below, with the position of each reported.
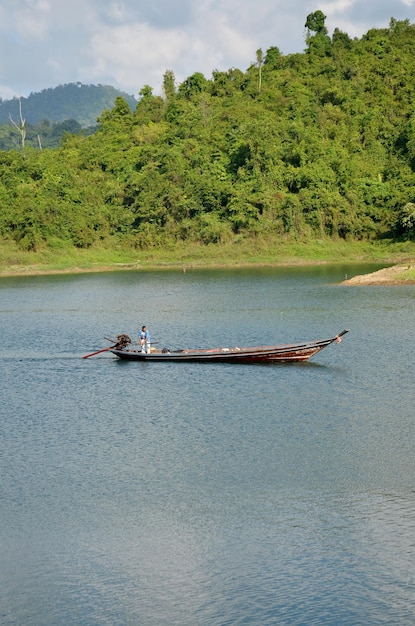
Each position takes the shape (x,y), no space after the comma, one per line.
(22,127)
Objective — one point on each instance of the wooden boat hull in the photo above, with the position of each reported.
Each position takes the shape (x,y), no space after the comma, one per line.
(284,353)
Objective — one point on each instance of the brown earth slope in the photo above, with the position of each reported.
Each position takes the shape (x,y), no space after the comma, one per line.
(396,275)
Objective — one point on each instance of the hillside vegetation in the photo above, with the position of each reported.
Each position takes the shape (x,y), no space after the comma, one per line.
(73,101)
(317,145)
(49,115)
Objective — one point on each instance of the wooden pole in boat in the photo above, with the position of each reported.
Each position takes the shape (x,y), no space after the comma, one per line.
(97,352)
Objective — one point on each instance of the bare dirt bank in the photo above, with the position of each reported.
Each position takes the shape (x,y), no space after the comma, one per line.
(402,274)
(33,270)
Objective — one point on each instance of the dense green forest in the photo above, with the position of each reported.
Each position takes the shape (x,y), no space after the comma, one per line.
(73,101)
(52,113)
(314,144)
(43,134)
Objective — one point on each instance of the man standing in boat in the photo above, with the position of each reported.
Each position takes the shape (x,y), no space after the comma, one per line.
(145,340)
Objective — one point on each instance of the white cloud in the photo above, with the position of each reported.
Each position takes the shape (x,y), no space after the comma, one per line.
(6,92)
(336,7)
(32,22)
(134,54)
(118,11)
(130,43)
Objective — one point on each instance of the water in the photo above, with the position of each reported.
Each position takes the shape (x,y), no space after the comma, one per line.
(202,494)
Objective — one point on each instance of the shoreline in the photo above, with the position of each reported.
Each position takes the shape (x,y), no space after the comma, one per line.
(399,274)
(126,267)
(34,270)
(96,268)
(245,254)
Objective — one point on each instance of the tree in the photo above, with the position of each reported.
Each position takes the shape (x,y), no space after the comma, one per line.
(169,84)
(193,85)
(315,23)
(405,225)
(149,107)
(273,58)
(22,127)
(327,149)
(260,63)
(319,44)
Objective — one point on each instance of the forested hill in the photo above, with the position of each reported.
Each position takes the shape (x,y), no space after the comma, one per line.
(315,144)
(74,101)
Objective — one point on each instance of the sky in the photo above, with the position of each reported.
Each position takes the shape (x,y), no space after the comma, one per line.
(131,43)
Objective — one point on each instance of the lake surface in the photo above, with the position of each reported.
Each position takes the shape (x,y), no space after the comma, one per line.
(186,494)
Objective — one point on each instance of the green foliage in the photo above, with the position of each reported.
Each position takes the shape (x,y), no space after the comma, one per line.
(41,135)
(193,85)
(169,84)
(405,225)
(82,103)
(52,113)
(319,44)
(273,58)
(315,22)
(320,144)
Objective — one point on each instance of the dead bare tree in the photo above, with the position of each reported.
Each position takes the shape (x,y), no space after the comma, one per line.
(22,127)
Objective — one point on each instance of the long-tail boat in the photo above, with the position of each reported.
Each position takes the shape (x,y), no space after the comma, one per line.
(282,353)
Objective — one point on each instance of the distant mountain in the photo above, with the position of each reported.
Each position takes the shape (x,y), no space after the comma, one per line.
(74,101)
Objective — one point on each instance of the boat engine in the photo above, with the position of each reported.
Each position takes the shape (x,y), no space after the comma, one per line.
(122,341)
